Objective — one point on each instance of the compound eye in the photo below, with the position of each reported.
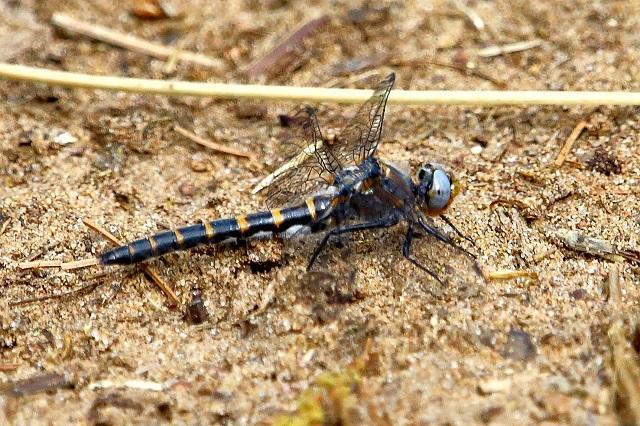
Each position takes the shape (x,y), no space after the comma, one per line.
(421,173)
(440,192)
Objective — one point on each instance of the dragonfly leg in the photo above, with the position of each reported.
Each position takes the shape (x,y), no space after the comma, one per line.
(456,230)
(406,252)
(384,222)
(440,236)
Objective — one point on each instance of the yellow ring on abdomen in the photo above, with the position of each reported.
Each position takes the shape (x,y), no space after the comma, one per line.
(277,217)
(242,223)
(312,208)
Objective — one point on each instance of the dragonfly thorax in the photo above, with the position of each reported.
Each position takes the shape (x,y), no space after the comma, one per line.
(357,178)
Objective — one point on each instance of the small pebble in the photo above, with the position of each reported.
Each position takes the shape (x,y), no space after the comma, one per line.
(199,165)
(187,189)
(64,138)
(578,294)
(519,346)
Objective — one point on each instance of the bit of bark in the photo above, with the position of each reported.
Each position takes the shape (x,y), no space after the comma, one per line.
(576,241)
(196,310)
(604,162)
(43,383)
(283,54)
(152,9)
(93,416)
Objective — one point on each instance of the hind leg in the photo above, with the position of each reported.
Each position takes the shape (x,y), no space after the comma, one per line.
(384,222)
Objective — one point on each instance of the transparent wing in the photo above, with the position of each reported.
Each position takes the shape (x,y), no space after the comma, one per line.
(360,138)
(311,162)
(305,170)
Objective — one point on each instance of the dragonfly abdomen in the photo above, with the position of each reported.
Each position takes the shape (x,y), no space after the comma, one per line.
(239,227)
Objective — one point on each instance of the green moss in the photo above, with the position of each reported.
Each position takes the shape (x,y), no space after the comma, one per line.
(331,400)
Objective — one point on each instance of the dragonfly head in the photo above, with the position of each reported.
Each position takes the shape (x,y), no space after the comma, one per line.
(436,189)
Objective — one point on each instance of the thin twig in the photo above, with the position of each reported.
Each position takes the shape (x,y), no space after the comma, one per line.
(130,42)
(102,231)
(212,145)
(168,291)
(314,94)
(520,46)
(4,368)
(46,382)
(82,289)
(38,264)
(508,274)
(568,144)
(473,16)
(146,385)
(615,295)
(77,264)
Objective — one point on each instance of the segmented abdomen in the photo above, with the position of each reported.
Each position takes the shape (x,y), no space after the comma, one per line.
(243,226)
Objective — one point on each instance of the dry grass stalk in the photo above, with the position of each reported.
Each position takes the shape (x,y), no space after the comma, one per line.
(84,288)
(520,46)
(211,145)
(77,264)
(314,94)
(626,364)
(129,42)
(38,264)
(508,274)
(471,14)
(568,144)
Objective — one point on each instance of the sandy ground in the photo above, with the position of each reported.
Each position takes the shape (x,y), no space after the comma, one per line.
(367,338)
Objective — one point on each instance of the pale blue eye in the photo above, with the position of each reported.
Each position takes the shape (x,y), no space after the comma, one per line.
(440,191)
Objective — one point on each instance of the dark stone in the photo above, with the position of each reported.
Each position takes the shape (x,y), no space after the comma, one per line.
(519,346)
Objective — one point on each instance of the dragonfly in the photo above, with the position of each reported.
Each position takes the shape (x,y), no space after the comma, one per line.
(335,187)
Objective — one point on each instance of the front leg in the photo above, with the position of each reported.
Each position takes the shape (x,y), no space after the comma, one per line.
(406,252)
(456,230)
(384,222)
(441,237)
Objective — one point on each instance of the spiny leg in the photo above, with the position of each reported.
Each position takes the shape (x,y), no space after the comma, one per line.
(456,230)
(384,222)
(406,252)
(441,237)
(438,235)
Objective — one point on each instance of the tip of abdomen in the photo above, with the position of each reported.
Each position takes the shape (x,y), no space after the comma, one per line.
(117,256)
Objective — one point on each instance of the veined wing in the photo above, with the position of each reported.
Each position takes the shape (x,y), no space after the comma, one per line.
(306,169)
(360,138)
